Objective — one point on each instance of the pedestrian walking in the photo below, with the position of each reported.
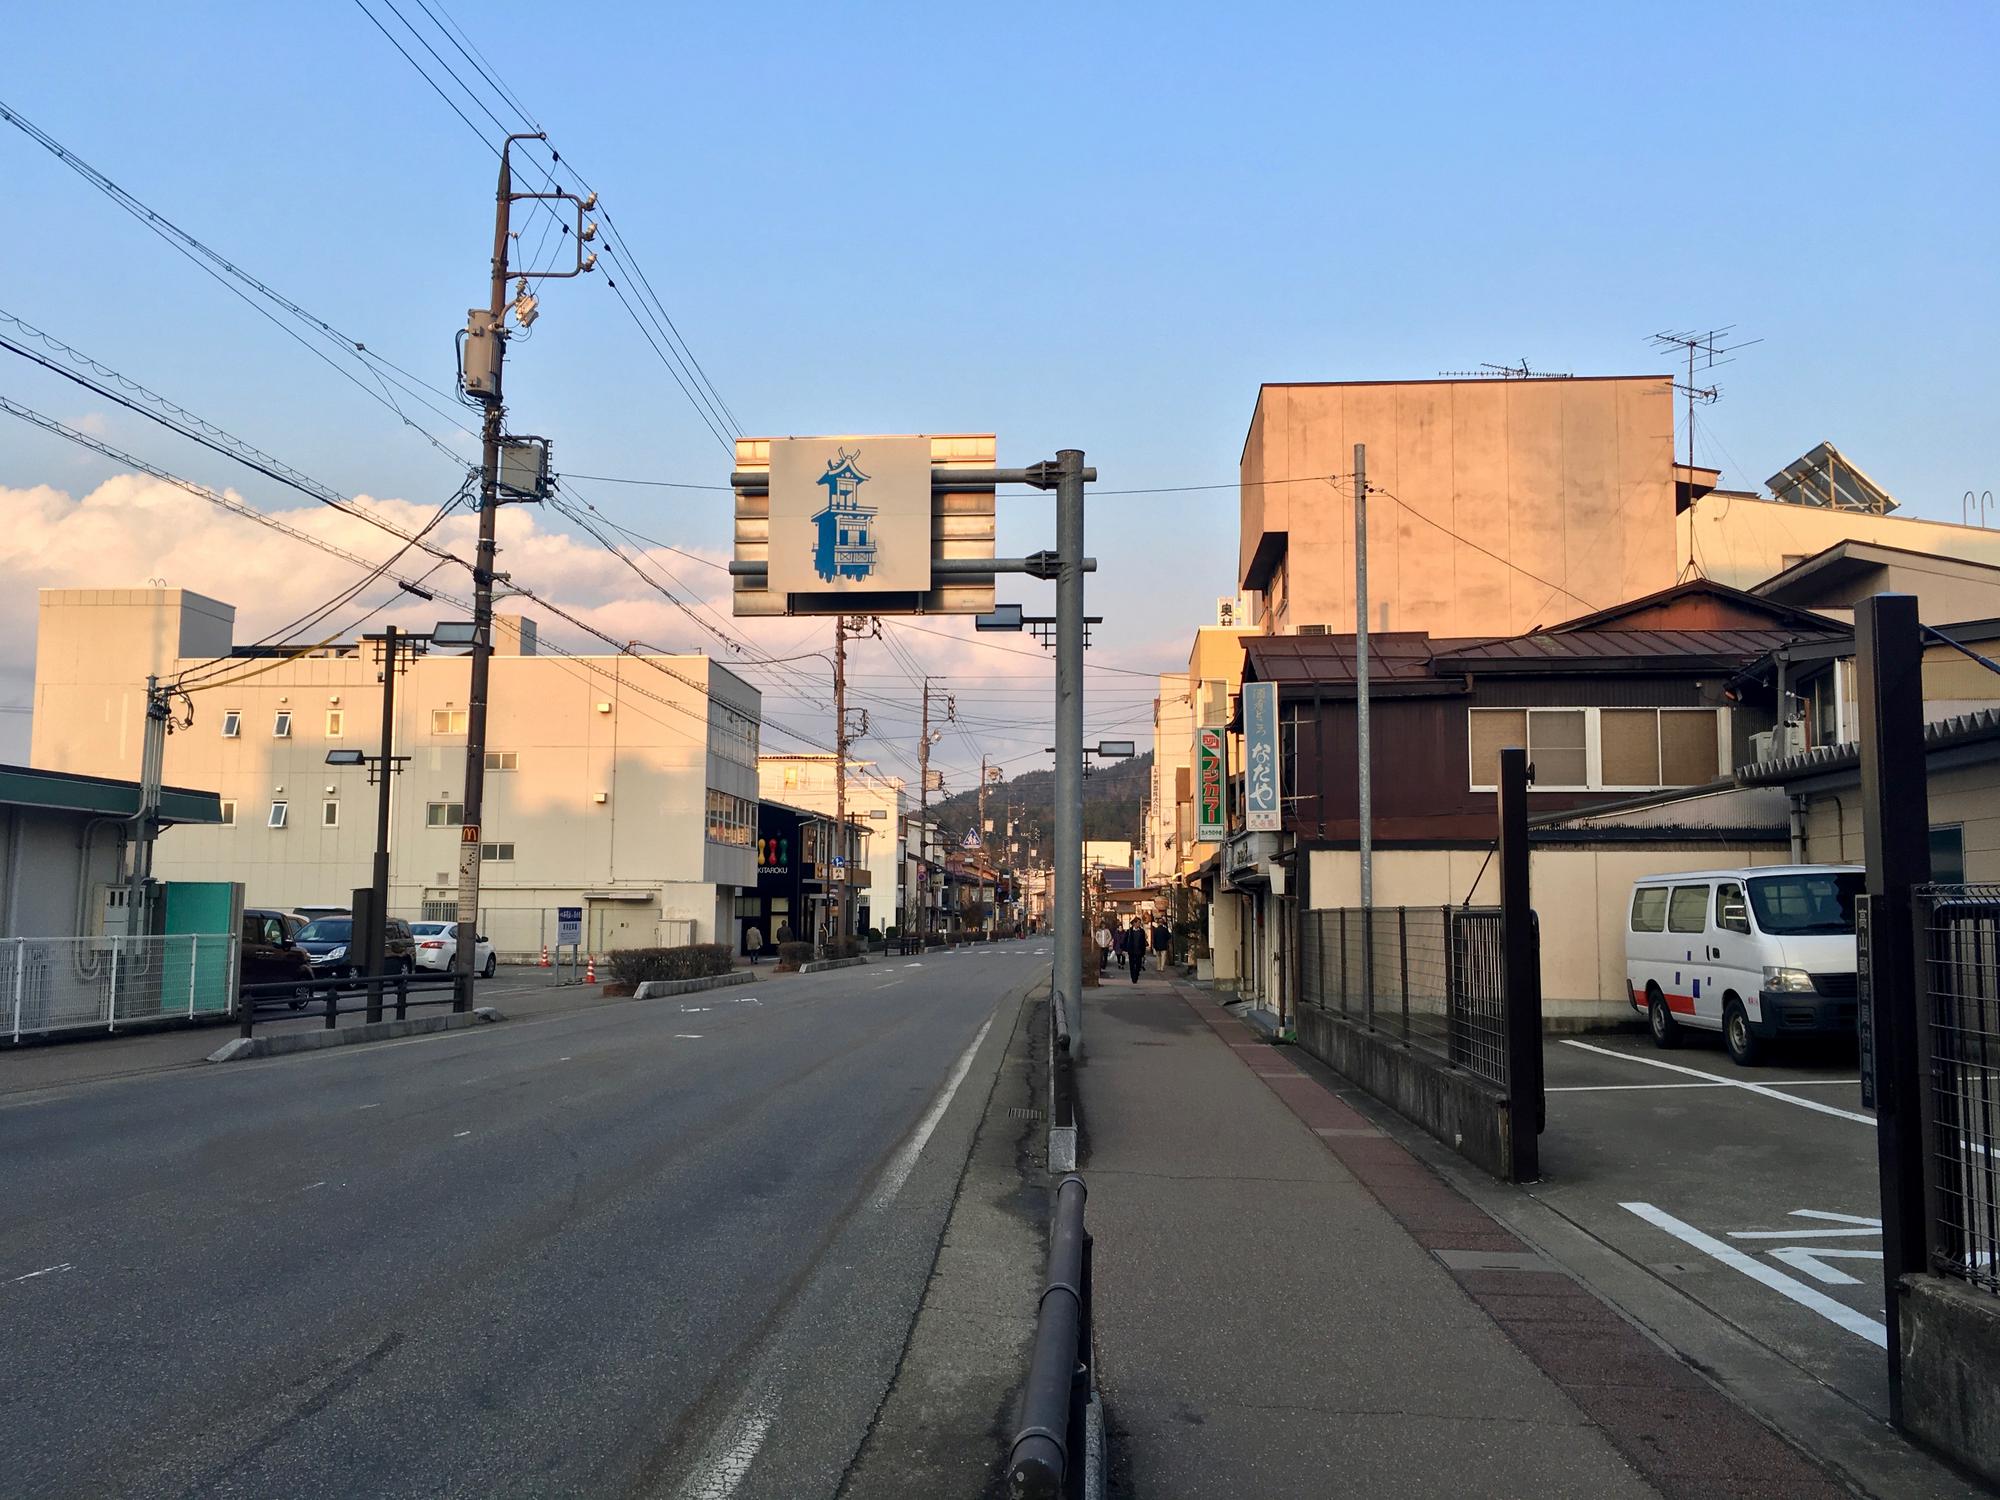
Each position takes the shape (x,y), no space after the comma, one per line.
(1162,937)
(1103,947)
(1134,944)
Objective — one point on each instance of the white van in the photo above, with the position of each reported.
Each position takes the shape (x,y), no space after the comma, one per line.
(1755,953)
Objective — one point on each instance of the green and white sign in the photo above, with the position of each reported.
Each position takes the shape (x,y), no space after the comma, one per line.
(1211,784)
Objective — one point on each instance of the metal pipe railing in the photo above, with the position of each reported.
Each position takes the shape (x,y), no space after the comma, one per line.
(1047,1457)
(324,995)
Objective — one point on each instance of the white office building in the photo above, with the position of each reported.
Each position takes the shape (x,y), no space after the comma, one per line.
(808,781)
(623,785)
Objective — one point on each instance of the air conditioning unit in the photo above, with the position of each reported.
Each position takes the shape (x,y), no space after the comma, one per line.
(1760,746)
(1315,630)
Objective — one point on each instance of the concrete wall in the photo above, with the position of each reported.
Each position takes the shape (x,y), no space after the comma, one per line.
(47,880)
(1469,1116)
(641,736)
(1966,795)
(1580,896)
(1741,542)
(1951,1368)
(1571,481)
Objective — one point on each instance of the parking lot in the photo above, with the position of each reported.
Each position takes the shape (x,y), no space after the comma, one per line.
(1752,1190)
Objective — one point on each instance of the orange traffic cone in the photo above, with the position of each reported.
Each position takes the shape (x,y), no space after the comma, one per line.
(590,972)
(545,955)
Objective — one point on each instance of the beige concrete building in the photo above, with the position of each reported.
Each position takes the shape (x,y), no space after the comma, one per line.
(1503,504)
(624,785)
(807,781)
(1743,541)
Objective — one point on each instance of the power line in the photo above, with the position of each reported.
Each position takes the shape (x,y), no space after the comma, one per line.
(228,274)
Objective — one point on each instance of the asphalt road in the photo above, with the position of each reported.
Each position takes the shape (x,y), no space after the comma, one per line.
(668,1248)
(1760,1202)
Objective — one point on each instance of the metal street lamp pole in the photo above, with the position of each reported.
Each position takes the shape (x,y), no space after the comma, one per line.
(375,955)
(1069,741)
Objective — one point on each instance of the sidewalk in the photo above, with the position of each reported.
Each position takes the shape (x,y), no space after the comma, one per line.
(1288,1303)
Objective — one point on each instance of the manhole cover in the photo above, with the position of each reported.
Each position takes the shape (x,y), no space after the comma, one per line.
(1493,1260)
(1022,1112)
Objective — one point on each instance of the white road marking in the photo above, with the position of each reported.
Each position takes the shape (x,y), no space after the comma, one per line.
(1734,1083)
(1821,1213)
(905,1160)
(311,1185)
(913,966)
(56,1270)
(720,1475)
(562,1059)
(1799,1234)
(461,1135)
(687,1036)
(1622,1088)
(371,1106)
(1834,1312)
(1812,1259)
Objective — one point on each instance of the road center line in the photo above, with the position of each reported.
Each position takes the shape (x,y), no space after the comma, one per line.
(1785,1286)
(54,1270)
(905,1160)
(1734,1083)
(721,1475)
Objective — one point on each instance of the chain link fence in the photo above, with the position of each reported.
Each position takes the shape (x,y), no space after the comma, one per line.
(1958,1000)
(99,983)
(1430,976)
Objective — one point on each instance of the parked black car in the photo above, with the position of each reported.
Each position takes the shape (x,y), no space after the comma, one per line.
(271,953)
(328,940)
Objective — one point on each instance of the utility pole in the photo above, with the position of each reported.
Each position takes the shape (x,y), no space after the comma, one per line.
(920,908)
(1361,739)
(839,863)
(374,954)
(481,377)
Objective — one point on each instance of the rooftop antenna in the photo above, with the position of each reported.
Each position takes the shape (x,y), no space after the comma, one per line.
(1704,351)
(1516,371)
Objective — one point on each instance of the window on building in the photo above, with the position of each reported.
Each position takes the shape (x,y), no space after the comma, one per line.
(443,814)
(228,813)
(791,775)
(281,726)
(232,723)
(278,812)
(447,721)
(1948,853)
(1649,909)
(502,852)
(731,819)
(1687,909)
(1598,749)
(749,906)
(336,723)
(329,813)
(503,760)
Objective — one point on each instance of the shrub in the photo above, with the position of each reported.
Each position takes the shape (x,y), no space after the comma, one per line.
(791,955)
(875,934)
(843,947)
(692,961)
(892,932)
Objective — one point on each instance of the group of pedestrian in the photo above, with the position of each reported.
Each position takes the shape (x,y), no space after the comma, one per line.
(1130,945)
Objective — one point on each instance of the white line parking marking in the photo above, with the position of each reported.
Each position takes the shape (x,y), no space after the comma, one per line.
(1734,1083)
(720,1476)
(1812,1259)
(1785,1286)
(45,1271)
(905,1160)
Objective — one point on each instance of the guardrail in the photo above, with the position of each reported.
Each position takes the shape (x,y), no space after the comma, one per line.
(324,996)
(1051,1449)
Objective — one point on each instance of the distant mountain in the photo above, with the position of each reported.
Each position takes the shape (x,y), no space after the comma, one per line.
(1114,797)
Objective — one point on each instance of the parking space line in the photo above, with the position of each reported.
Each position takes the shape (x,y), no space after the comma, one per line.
(1785,1286)
(1617,1088)
(1734,1083)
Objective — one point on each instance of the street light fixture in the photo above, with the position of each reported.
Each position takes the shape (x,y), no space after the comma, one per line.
(1116,749)
(345,758)
(454,633)
(1004,617)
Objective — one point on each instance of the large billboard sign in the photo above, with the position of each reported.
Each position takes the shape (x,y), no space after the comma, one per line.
(1263,793)
(1211,781)
(850,515)
(856,524)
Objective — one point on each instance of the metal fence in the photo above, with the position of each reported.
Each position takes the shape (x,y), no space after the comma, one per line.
(85,983)
(1958,1008)
(1429,975)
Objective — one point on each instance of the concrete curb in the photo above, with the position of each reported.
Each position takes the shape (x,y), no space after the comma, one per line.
(659,989)
(821,965)
(289,1042)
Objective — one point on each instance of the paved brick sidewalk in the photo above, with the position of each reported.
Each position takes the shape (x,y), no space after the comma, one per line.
(1677,1431)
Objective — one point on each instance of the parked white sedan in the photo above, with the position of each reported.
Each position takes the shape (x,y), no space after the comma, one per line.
(437,948)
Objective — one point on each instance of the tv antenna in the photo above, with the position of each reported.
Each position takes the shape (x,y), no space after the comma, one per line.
(1704,351)
(1516,371)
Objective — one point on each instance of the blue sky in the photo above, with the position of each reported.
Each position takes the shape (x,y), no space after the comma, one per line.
(1097,226)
